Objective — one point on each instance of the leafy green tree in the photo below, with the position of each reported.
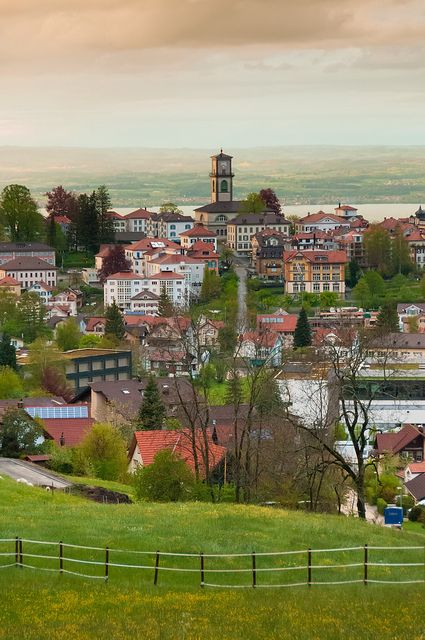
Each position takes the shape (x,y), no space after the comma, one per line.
(328,299)
(152,410)
(43,356)
(19,434)
(227,257)
(68,335)
(167,479)
(114,322)
(377,244)
(387,317)
(235,394)
(19,214)
(105,222)
(353,273)
(165,306)
(32,314)
(227,338)
(105,450)
(253,203)
(211,286)
(400,253)
(90,340)
(302,335)
(362,294)
(11,384)
(7,352)
(169,207)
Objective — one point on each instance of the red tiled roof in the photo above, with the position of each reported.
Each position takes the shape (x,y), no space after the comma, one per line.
(8,281)
(395,442)
(145,244)
(114,215)
(104,250)
(282,323)
(317,217)
(334,257)
(138,214)
(416,467)
(27,263)
(44,285)
(150,443)
(345,207)
(37,458)
(166,275)
(125,275)
(198,231)
(74,430)
(93,321)
(62,219)
(260,338)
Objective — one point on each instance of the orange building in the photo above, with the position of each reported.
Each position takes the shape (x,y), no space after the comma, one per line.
(314,271)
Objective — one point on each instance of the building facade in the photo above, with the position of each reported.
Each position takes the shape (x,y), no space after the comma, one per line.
(314,271)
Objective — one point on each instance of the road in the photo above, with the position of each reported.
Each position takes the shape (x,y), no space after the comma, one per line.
(17,469)
(240,269)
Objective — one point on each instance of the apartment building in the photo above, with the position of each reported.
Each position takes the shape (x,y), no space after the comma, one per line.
(139,253)
(198,233)
(241,230)
(314,271)
(12,250)
(321,221)
(125,286)
(28,271)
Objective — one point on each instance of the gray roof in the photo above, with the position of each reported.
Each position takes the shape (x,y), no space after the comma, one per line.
(417,486)
(27,263)
(6,247)
(145,294)
(222,207)
(260,218)
(400,341)
(401,307)
(222,156)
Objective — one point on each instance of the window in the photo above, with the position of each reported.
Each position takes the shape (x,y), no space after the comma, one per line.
(172,226)
(221,218)
(224,186)
(316,287)
(335,287)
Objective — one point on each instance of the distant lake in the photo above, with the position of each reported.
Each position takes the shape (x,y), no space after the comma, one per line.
(377,211)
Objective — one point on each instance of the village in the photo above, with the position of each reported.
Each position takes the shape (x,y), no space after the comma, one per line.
(224,337)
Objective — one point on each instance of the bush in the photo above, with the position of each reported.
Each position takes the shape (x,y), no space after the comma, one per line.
(415,513)
(61,460)
(381,504)
(105,450)
(167,479)
(407,503)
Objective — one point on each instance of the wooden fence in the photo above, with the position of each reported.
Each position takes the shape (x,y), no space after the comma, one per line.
(308,567)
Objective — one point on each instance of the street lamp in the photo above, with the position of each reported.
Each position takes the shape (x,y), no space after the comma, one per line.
(400,488)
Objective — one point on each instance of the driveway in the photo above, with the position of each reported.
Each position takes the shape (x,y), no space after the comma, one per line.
(17,469)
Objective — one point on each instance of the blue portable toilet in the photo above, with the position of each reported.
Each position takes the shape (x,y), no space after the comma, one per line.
(393,515)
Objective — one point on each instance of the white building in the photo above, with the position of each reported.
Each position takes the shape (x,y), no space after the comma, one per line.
(145,303)
(147,249)
(321,221)
(191,268)
(28,271)
(43,290)
(125,286)
(196,233)
(137,220)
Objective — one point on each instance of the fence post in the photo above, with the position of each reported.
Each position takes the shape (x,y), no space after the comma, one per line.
(155,578)
(21,557)
(16,550)
(201,555)
(254,571)
(309,567)
(365,564)
(60,557)
(106,564)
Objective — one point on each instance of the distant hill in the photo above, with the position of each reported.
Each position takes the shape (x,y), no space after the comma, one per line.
(299,175)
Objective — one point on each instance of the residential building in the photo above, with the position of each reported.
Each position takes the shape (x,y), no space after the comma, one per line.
(408,442)
(321,221)
(122,287)
(204,252)
(43,290)
(146,302)
(104,252)
(83,366)
(411,313)
(267,247)
(28,271)
(137,220)
(352,242)
(146,444)
(346,211)
(10,285)
(280,322)
(96,325)
(171,225)
(191,268)
(312,240)
(65,424)
(198,233)
(89,276)
(314,271)
(260,347)
(241,229)
(70,299)
(147,249)
(11,250)
(119,221)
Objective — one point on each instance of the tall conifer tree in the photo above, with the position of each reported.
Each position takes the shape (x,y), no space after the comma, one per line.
(302,335)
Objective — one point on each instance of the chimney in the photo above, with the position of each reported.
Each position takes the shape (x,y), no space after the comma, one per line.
(62,440)
(20,404)
(165,389)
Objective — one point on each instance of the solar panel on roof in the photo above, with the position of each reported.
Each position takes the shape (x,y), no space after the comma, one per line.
(62,412)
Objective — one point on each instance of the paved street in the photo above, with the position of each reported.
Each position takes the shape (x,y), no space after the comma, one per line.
(37,476)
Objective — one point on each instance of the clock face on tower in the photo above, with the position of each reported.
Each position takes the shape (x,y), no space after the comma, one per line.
(223,166)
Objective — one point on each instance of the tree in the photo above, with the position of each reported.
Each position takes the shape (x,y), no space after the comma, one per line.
(353,273)
(377,243)
(211,286)
(362,294)
(302,335)
(114,262)
(152,411)
(413,324)
(32,314)
(19,214)
(19,434)
(7,352)
(68,335)
(11,384)
(227,257)
(387,318)
(169,207)
(87,223)
(293,219)
(271,201)
(105,222)
(167,479)
(253,203)
(114,322)
(400,253)
(105,450)
(165,306)
(328,299)
(61,203)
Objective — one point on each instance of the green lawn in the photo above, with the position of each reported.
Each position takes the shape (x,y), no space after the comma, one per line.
(217,392)
(38,605)
(105,484)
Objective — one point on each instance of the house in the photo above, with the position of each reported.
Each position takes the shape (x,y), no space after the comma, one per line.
(66,424)
(104,251)
(28,271)
(10,285)
(353,243)
(96,325)
(198,233)
(314,240)
(281,323)
(408,442)
(267,248)
(119,221)
(137,220)
(321,221)
(171,225)
(63,222)
(43,290)
(70,299)
(416,487)
(346,211)
(170,362)
(398,348)
(409,310)
(148,249)
(413,470)
(124,397)
(314,271)
(11,250)
(146,444)
(146,302)
(260,348)
(204,252)
(241,229)
(89,276)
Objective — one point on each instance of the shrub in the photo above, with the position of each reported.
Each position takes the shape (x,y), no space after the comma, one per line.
(381,504)
(167,479)
(105,450)
(61,460)
(415,513)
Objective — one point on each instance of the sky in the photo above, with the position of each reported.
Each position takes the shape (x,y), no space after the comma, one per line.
(205,74)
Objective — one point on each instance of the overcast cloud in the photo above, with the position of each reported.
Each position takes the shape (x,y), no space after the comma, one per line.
(202,73)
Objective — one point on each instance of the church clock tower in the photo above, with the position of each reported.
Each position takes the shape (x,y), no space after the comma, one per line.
(221,178)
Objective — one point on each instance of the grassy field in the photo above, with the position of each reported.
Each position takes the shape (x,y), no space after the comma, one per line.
(37,605)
